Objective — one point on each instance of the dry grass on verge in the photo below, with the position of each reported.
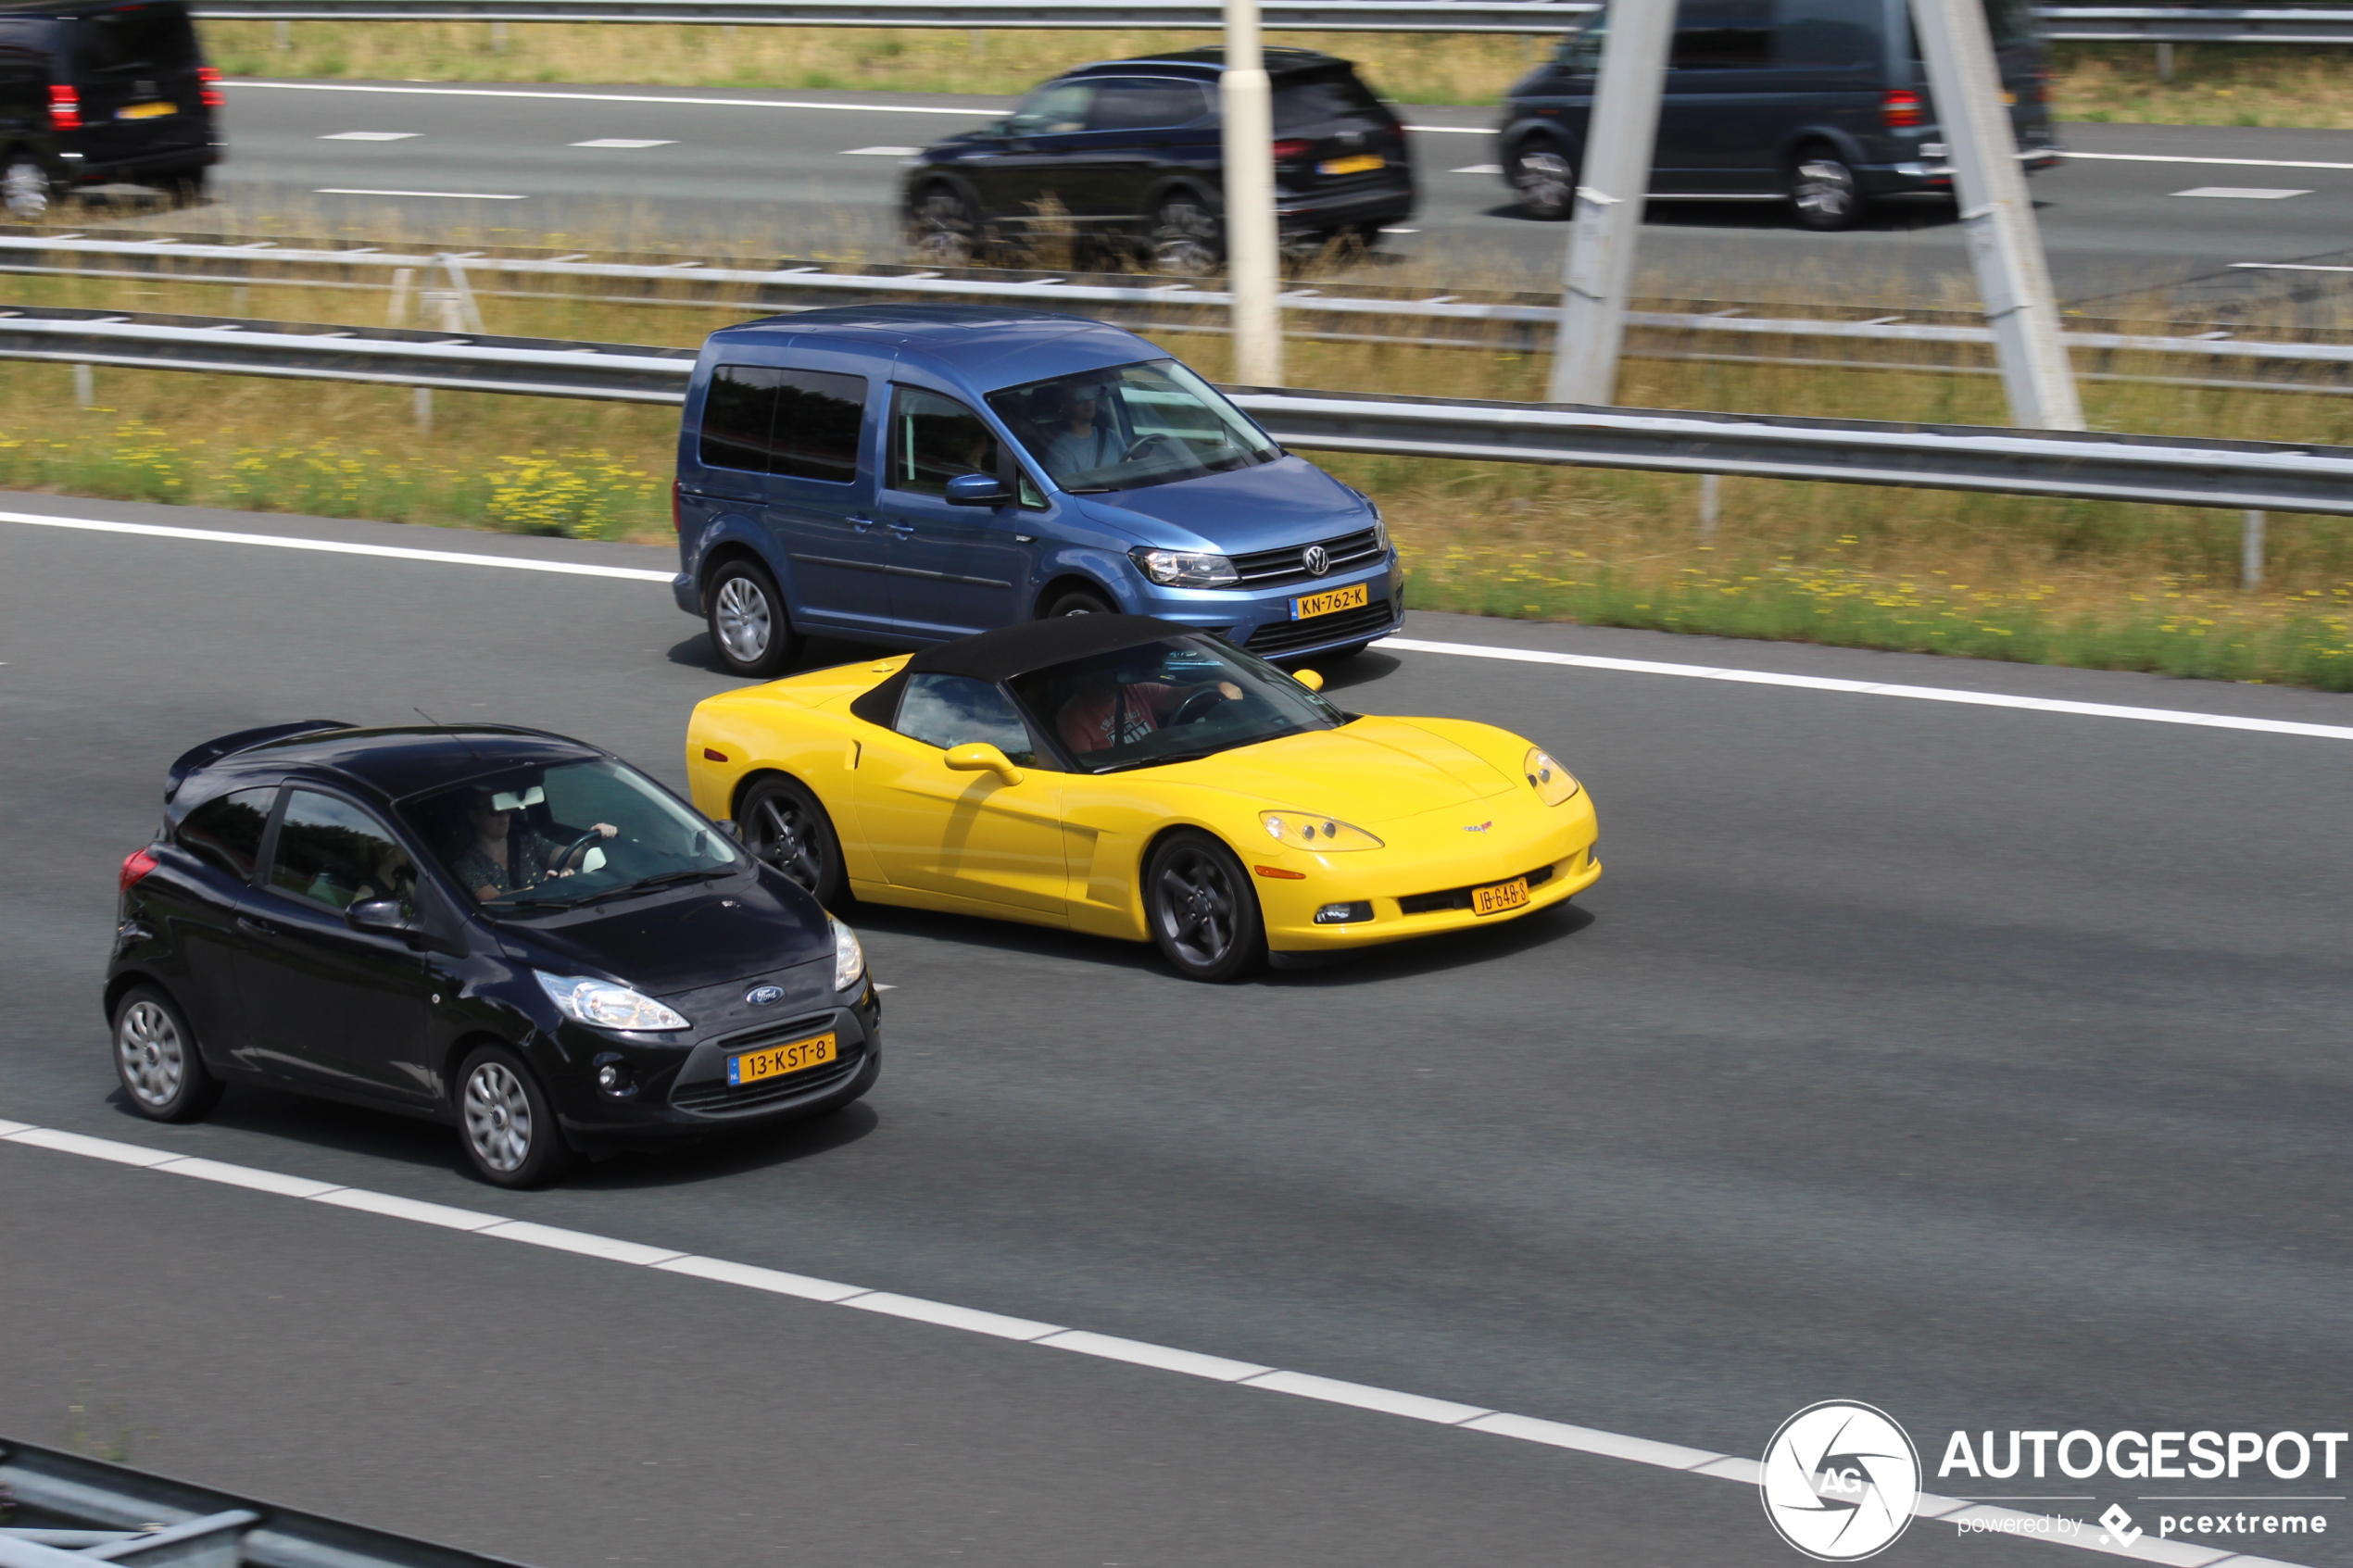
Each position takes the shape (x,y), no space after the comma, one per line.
(2213,84)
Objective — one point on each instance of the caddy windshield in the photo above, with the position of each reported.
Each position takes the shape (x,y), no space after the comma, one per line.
(1130,426)
(556,835)
(1172,701)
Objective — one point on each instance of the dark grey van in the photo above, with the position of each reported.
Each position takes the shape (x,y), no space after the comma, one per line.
(1821,103)
(99,94)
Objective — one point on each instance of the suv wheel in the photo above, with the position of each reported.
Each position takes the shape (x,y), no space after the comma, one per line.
(24,191)
(1824,192)
(749,626)
(1186,238)
(946,231)
(1546,181)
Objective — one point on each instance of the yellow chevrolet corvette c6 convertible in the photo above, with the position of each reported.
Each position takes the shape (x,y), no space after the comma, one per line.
(1135,778)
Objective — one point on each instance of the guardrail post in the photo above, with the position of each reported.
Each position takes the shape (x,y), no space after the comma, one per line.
(1599,269)
(396,312)
(1252,262)
(497,38)
(2251,549)
(2005,245)
(2165,62)
(422,403)
(282,31)
(459,312)
(85,387)
(1711,495)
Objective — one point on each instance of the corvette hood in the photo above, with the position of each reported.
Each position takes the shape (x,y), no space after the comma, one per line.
(1371,771)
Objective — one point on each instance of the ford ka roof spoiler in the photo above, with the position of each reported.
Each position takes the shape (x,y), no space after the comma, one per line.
(213,751)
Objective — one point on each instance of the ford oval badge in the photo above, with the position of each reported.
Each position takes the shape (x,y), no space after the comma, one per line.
(764,996)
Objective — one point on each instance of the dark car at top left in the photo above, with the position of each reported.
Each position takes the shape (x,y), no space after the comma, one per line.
(498,929)
(101,94)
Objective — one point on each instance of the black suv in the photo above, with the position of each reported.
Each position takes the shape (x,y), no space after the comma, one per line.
(1125,155)
(98,95)
(1823,104)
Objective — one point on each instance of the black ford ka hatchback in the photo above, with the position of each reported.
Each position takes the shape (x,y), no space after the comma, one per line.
(499,929)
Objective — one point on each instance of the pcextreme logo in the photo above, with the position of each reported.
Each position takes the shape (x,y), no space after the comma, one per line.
(1840,1481)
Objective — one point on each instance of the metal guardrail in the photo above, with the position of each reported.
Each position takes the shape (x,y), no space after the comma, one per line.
(2160,471)
(74,1513)
(2183,24)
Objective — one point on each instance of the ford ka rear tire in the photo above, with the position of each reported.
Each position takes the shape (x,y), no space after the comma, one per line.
(750,628)
(784,825)
(163,1075)
(1203,910)
(506,1123)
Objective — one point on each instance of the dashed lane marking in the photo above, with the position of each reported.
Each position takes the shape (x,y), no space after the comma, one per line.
(451,195)
(880,152)
(245,83)
(372,135)
(630,144)
(2242,193)
(2233,162)
(339,548)
(1045,1336)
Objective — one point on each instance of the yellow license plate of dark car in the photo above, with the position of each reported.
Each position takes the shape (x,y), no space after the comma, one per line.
(1356,165)
(1502,895)
(146,111)
(774,1061)
(1356,597)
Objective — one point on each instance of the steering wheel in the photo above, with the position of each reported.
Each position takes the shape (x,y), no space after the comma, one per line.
(1196,707)
(1149,442)
(563,861)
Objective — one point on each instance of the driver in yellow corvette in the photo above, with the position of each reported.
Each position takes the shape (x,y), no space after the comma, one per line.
(1106,712)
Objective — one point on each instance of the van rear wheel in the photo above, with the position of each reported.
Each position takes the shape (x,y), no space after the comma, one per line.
(25,191)
(1824,192)
(1546,181)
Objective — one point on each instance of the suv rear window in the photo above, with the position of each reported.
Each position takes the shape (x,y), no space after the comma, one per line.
(1304,102)
(135,41)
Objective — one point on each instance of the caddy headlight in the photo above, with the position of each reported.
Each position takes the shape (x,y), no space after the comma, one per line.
(1551,783)
(607,1004)
(849,958)
(1184,569)
(1380,529)
(1304,830)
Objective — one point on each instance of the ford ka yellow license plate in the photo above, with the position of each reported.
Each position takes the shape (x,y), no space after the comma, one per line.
(774,1061)
(1494,900)
(146,111)
(1360,164)
(1356,597)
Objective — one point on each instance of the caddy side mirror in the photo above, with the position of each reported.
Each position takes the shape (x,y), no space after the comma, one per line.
(977,490)
(1309,679)
(382,916)
(979,757)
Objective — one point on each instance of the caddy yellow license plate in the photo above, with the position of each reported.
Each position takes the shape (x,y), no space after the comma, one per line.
(1494,900)
(146,111)
(1360,164)
(774,1061)
(1306,605)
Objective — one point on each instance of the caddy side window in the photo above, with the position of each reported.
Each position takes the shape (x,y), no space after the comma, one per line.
(738,414)
(331,853)
(226,832)
(952,710)
(818,416)
(933,439)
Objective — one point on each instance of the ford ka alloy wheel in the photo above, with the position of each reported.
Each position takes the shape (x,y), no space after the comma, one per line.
(499,1119)
(154,1058)
(745,623)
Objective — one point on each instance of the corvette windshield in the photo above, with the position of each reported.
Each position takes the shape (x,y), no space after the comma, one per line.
(558,836)
(1130,427)
(1170,701)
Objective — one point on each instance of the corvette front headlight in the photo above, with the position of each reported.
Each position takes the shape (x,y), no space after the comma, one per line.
(849,958)
(1304,830)
(606,1004)
(1553,783)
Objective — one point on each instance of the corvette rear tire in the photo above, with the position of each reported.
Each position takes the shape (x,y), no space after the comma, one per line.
(1205,913)
(750,628)
(785,825)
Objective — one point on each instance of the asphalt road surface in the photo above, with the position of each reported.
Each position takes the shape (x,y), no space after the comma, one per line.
(1984,1064)
(817,174)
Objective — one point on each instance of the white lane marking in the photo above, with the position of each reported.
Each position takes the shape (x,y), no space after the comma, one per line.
(2290,267)
(1478,168)
(371,135)
(451,195)
(336,548)
(246,1176)
(1401,230)
(2242,193)
(1190,1363)
(244,83)
(1876,688)
(634,143)
(880,152)
(2232,162)
(1453,130)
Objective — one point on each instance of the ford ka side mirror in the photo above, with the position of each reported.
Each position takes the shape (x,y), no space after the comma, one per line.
(979,757)
(380,915)
(1309,679)
(977,490)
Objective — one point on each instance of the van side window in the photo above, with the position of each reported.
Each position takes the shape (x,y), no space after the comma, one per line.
(738,413)
(802,424)
(1722,35)
(952,710)
(1828,34)
(933,439)
(226,832)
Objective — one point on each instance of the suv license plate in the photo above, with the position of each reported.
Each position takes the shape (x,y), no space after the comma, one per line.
(1361,163)
(1355,597)
(1494,900)
(774,1061)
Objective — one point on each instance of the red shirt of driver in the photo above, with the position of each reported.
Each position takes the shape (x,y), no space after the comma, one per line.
(1088,719)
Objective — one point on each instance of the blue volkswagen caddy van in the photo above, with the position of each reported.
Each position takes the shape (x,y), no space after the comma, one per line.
(907,473)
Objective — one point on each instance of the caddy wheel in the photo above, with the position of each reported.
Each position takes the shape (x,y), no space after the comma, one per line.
(156,1057)
(1205,913)
(506,1123)
(784,824)
(749,626)
(1079,601)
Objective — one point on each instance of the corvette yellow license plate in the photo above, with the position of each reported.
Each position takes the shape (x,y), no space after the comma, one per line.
(1356,165)
(1494,900)
(146,111)
(1324,604)
(774,1061)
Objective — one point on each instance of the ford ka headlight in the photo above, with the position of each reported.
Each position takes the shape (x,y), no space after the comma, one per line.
(1184,569)
(607,1004)
(849,958)
(1304,830)
(1553,783)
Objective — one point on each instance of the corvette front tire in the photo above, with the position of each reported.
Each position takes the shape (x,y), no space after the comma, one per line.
(1203,911)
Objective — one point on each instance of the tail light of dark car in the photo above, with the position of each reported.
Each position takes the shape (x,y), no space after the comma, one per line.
(65,108)
(1899,110)
(209,83)
(135,865)
(1290,150)
(677,508)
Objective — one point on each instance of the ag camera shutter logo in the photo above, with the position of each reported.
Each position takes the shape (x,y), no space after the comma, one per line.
(1840,1481)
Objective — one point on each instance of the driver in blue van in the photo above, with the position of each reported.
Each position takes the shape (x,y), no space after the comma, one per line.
(496,856)
(1081,440)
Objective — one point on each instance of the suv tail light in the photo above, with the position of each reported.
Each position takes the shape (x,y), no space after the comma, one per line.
(1898,109)
(1291,149)
(135,865)
(209,83)
(677,508)
(65,109)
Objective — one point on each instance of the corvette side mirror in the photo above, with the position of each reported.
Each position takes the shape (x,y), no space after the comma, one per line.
(1309,679)
(977,490)
(979,757)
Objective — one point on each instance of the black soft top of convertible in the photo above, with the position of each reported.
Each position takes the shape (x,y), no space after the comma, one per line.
(1033,644)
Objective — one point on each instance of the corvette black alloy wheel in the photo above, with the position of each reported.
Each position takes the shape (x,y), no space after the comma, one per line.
(1205,913)
(784,825)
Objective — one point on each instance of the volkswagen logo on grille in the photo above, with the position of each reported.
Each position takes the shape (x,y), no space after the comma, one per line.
(764,996)
(1317,559)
